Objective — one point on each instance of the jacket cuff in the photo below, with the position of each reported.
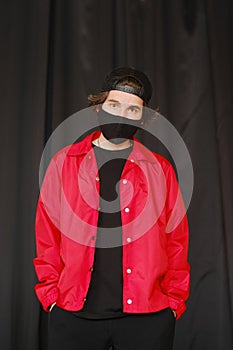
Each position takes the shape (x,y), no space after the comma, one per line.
(49,299)
(178,307)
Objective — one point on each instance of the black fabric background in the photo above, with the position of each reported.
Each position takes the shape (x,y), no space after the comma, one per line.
(53,54)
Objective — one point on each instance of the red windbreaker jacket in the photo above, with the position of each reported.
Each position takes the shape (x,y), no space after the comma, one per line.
(154,231)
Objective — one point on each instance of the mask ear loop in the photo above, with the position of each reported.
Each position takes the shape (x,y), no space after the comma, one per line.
(143,119)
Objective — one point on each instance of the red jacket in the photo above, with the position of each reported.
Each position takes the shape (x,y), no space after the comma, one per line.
(154,231)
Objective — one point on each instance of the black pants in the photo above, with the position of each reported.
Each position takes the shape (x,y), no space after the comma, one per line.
(134,332)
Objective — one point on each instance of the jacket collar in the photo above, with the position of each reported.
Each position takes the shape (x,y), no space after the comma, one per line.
(84,146)
(139,151)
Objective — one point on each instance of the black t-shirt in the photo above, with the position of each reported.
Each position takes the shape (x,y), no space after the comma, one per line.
(104,297)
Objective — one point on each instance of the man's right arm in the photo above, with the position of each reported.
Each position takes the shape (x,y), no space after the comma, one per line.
(48,264)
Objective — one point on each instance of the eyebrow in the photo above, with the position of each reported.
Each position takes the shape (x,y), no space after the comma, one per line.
(135,106)
(112,100)
(130,106)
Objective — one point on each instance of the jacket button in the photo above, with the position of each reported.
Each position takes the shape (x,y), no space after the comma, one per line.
(97,178)
(129,301)
(127,210)
(132,160)
(128,270)
(124,181)
(91,269)
(84,299)
(128,239)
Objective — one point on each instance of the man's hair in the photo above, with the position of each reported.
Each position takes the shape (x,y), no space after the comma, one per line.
(97,99)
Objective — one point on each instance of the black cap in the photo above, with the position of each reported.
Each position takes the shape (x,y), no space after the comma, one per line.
(113,82)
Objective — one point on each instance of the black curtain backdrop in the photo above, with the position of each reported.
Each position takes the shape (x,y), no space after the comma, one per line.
(53,54)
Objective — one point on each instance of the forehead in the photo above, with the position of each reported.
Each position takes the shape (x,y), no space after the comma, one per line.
(124,98)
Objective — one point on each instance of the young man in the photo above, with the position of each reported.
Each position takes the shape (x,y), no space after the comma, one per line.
(111,273)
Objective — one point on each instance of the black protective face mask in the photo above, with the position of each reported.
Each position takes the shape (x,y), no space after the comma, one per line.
(118,130)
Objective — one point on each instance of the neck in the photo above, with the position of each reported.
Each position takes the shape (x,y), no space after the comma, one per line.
(102,142)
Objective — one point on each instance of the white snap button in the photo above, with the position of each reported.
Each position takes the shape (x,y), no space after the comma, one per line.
(126,210)
(97,178)
(128,239)
(124,181)
(132,160)
(129,301)
(128,270)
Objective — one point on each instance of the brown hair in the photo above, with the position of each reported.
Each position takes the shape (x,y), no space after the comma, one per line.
(97,99)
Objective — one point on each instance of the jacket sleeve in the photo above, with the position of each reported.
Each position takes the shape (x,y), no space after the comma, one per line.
(176,283)
(48,264)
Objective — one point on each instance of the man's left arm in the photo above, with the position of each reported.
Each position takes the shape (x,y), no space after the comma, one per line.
(176,283)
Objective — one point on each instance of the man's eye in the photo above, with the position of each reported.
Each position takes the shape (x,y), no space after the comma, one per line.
(113,105)
(134,110)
